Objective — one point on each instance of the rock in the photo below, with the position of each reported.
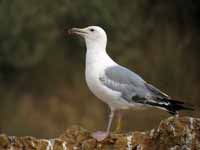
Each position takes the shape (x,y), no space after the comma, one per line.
(174,133)
(4,141)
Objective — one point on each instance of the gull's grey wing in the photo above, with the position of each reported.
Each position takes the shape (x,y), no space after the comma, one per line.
(131,85)
(123,80)
(134,89)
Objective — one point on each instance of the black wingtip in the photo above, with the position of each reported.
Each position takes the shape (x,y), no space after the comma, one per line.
(175,106)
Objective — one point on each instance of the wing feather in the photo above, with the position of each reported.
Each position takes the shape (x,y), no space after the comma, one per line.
(156,91)
(125,81)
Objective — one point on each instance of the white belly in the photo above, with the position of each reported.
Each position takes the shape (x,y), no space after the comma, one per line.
(112,98)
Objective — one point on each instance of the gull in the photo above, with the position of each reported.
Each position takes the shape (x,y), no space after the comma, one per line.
(116,85)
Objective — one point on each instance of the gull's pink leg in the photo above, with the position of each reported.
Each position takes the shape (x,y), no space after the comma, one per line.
(100,135)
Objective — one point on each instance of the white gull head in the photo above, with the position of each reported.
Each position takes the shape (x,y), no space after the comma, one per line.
(95,37)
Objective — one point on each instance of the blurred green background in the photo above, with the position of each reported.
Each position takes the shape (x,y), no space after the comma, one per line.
(42,86)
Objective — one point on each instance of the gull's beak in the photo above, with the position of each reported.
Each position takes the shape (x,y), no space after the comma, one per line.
(77,31)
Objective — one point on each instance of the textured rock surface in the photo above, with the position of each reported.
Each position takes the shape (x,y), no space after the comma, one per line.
(174,133)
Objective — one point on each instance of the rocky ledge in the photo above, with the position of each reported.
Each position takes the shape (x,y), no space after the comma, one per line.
(174,133)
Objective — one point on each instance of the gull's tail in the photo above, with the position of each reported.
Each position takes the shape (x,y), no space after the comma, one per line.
(173,106)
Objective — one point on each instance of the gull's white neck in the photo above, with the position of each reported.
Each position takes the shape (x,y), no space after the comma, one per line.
(96,55)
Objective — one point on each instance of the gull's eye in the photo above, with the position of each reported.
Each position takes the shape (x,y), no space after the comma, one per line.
(92,30)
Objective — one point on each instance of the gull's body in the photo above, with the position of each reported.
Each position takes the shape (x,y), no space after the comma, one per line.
(115,85)
(96,64)
(95,72)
